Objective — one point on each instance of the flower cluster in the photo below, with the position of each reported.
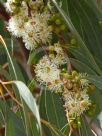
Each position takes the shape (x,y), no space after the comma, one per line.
(29,20)
(48,69)
(75,94)
(48,73)
(73,87)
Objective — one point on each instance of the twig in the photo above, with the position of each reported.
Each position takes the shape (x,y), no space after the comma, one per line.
(5,65)
(10,93)
(70,127)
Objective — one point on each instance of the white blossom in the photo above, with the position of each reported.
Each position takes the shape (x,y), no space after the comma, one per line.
(17,21)
(59,58)
(16,25)
(35,32)
(47,73)
(9,5)
(76,104)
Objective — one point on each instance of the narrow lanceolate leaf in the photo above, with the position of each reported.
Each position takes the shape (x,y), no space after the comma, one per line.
(96,80)
(8,54)
(83,48)
(85,129)
(86,18)
(90,28)
(13,123)
(34,56)
(51,109)
(82,67)
(29,99)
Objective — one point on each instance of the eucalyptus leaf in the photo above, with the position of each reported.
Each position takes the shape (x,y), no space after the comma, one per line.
(87,24)
(13,123)
(82,67)
(96,80)
(29,99)
(55,114)
(83,47)
(85,129)
(35,56)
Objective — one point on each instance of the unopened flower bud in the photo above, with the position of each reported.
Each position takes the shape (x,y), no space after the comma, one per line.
(58,21)
(62,27)
(73,41)
(74,73)
(83,103)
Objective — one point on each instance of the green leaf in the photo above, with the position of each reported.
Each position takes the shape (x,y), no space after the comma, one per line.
(82,46)
(85,129)
(96,80)
(16,73)
(65,6)
(86,22)
(13,123)
(32,85)
(96,97)
(14,126)
(35,56)
(1,119)
(34,127)
(29,99)
(81,67)
(51,109)
(19,73)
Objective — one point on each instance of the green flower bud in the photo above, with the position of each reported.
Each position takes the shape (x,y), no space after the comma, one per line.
(51,28)
(75,125)
(73,41)
(67,76)
(58,21)
(46,9)
(83,103)
(69,86)
(53,18)
(78,124)
(62,27)
(51,48)
(74,73)
(91,110)
(77,78)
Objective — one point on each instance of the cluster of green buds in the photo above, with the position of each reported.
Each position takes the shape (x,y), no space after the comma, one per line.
(73,42)
(75,122)
(76,82)
(56,23)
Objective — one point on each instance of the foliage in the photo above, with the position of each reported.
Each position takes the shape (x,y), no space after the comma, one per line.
(33,103)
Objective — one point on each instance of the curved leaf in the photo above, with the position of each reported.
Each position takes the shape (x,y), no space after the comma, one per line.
(29,99)
(81,66)
(83,47)
(96,80)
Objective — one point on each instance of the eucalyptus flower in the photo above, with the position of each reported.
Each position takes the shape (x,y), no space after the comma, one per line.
(48,73)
